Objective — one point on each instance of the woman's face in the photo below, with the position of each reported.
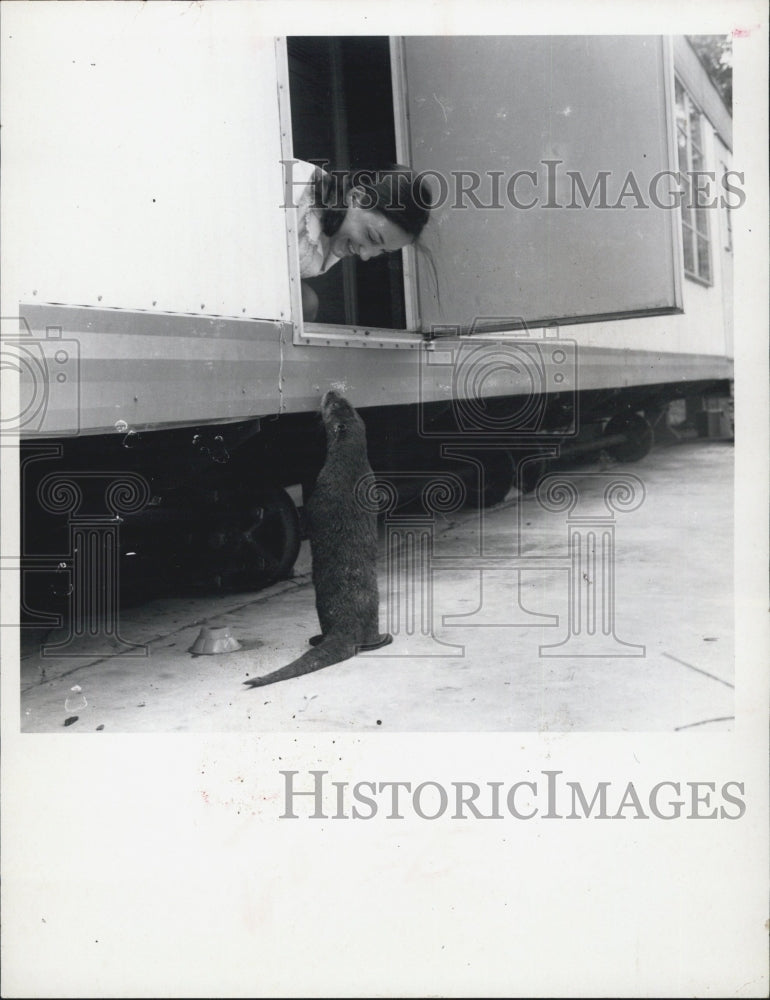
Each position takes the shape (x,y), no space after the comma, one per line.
(365,232)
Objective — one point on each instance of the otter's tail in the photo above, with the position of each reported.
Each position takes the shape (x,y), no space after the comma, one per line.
(333,649)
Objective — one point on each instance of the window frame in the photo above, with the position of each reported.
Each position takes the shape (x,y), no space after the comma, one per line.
(412,337)
(691,233)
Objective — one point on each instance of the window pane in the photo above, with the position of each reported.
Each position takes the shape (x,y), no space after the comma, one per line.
(689,249)
(687,197)
(704,262)
(682,152)
(700,218)
(695,128)
(705,193)
(698,163)
(681,118)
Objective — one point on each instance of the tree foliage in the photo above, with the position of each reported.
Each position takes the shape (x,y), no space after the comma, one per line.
(716,54)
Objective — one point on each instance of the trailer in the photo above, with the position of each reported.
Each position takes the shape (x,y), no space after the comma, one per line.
(580,243)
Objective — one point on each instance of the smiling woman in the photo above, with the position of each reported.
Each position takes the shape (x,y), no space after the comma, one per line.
(361,214)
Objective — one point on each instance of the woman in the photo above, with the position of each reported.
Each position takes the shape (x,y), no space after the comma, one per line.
(362,214)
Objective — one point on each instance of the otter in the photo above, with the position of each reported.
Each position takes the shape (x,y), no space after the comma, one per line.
(343,548)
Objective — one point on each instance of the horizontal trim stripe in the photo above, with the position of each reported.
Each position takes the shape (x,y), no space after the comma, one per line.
(128,322)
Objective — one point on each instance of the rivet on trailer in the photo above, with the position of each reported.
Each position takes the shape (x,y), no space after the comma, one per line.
(577,275)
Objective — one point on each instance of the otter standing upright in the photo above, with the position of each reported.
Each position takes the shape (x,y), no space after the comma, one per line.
(343,546)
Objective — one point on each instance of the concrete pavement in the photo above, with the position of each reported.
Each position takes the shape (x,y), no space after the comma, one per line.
(613,614)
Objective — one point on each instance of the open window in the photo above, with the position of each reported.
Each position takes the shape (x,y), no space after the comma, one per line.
(342,117)
(545,156)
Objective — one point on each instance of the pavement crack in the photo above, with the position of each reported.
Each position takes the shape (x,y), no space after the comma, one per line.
(705,722)
(258,598)
(698,669)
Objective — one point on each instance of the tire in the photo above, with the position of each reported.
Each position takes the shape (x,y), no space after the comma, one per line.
(639,434)
(498,470)
(530,469)
(255,540)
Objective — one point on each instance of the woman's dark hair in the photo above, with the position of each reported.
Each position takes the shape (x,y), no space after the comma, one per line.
(396,192)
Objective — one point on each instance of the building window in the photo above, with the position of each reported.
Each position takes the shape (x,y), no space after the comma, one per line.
(695,223)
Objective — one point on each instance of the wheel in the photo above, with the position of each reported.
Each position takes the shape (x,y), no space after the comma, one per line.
(530,469)
(255,540)
(496,479)
(639,436)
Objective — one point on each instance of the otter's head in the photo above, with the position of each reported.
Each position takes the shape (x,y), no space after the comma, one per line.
(340,419)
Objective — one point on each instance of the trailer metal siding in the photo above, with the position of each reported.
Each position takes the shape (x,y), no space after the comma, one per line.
(156,242)
(142,166)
